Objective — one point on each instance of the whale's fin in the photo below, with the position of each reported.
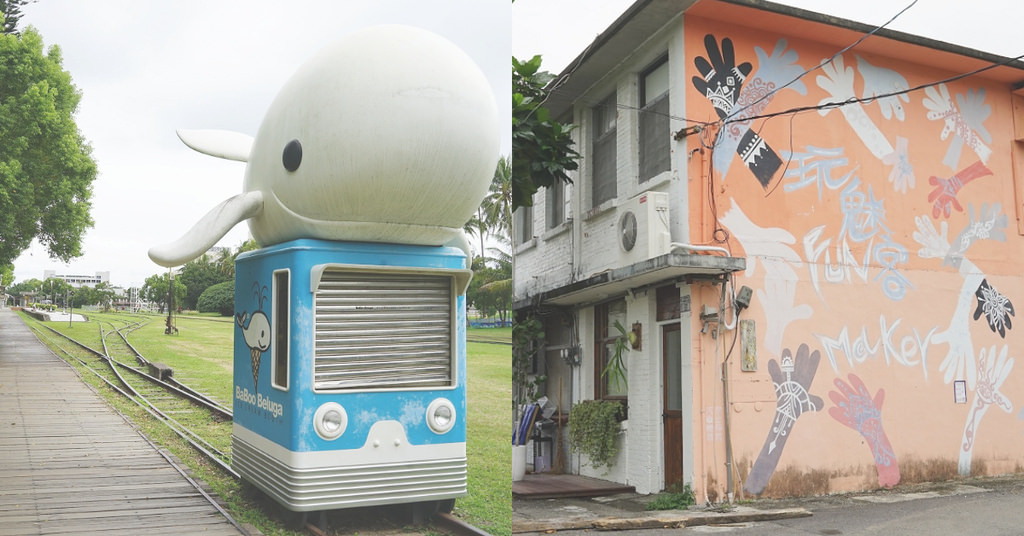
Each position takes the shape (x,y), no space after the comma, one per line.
(220,143)
(208,230)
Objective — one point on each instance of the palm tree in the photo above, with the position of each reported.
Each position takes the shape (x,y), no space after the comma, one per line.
(475,227)
(496,207)
(225,262)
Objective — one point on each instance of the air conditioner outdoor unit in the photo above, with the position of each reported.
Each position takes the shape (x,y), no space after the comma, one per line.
(643,227)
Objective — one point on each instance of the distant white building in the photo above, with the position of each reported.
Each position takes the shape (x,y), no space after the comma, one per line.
(78,281)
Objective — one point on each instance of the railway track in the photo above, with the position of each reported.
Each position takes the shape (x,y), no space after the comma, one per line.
(204,424)
(198,419)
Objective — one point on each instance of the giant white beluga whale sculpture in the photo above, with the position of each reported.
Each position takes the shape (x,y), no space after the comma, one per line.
(390,134)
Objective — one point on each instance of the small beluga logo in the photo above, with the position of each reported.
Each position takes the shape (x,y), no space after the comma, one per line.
(256,331)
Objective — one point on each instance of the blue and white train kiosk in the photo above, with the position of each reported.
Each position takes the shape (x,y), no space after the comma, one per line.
(350,342)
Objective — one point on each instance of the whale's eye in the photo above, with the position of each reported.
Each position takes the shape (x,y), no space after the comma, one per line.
(292,155)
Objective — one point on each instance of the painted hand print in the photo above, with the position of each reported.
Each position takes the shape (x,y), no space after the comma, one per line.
(997,308)
(720,81)
(944,195)
(965,120)
(772,72)
(857,409)
(792,381)
(902,174)
(959,361)
(778,295)
(993,372)
(988,224)
(256,331)
(838,81)
(934,243)
(882,81)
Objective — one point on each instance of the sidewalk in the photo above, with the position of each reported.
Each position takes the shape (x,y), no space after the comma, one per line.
(627,511)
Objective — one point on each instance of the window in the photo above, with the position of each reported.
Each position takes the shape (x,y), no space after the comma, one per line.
(279,363)
(554,209)
(603,166)
(655,151)
(522,220)
(607,387)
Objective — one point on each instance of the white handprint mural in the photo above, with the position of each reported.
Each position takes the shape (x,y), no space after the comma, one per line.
(965,120)
(994,370)
(838,81)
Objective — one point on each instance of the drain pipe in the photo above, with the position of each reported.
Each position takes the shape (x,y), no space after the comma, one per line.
(730,485)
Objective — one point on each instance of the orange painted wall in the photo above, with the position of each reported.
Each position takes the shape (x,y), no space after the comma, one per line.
(897,322)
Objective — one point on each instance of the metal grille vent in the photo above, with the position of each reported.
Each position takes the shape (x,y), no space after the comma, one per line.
(381,331)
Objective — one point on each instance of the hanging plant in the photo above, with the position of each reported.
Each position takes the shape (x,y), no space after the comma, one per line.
(594,430)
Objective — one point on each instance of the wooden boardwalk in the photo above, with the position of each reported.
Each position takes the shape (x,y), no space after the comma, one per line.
(552,486)
(70,465)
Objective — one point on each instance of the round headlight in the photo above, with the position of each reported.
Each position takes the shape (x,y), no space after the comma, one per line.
(440,416)
(330,421)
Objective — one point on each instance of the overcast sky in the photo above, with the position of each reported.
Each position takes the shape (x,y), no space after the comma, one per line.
(146,68)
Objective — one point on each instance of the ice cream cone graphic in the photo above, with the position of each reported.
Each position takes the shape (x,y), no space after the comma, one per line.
(255,354)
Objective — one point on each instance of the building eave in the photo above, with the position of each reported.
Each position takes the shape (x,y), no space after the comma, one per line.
(645,17)
(617,282)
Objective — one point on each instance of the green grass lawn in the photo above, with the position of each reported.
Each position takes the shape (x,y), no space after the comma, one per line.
(201,356)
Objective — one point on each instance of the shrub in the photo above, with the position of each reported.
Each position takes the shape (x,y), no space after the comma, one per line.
(219,298)
(677,497)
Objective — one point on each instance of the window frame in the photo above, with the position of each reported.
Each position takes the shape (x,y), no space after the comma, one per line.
(604,337)
(604,143)
(649,113)
(281,307)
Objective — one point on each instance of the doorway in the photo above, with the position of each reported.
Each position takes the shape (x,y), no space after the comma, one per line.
(672,402)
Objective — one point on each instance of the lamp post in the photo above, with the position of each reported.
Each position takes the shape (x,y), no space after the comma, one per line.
(71,306)
(170,302)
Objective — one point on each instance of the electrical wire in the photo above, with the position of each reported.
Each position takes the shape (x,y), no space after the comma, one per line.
(859,100)
(822,64)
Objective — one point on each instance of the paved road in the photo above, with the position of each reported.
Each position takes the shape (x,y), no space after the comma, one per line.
(983,508)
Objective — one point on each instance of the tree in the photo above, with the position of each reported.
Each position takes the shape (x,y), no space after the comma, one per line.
(219,298)
(103,295)
(6,275)
(200,274)
(155,290)
(53,290)
(11,14)
(494,215)
(497,204)
(46,167)
(24,287)
(541,147)
(490,290)
(248,245)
